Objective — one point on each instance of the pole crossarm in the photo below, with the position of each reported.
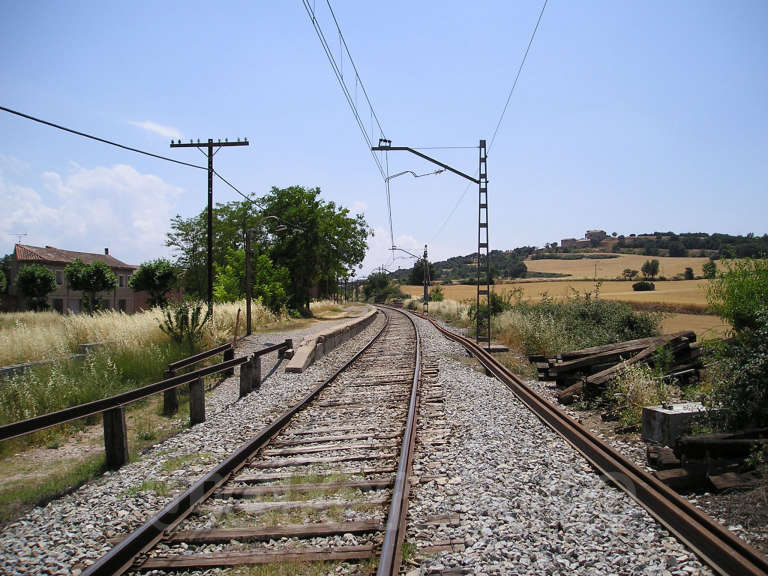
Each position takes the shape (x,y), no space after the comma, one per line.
(198,144)
(427,158)
(210,145)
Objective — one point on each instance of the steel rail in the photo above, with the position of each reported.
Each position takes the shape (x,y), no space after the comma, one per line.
(391,548)
(122,556)
(717,546)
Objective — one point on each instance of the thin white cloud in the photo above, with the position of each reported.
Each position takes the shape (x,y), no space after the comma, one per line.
(12,165)
(154,127)
(90,209)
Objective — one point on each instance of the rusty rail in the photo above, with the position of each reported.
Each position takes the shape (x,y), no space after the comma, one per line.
(391,548)
(717,546)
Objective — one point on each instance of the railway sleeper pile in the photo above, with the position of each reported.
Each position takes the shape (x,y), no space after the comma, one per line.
(712,462)
(585,373)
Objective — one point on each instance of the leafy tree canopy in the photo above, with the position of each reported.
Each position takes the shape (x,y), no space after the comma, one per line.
(321,243)
(91,280)
(416,275)
(650,268)
(739,292)
(35,282)
(156,277)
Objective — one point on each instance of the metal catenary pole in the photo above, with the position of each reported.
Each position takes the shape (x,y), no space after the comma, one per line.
(483,332)
(210,153)
(483,329)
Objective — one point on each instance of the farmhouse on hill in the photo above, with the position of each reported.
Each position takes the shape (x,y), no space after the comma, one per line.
(63,299)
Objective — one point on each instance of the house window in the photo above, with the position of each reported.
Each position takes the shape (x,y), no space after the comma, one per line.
(59,277)
(121,281)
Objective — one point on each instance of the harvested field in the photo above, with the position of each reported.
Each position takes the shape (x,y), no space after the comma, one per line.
(681,292)
(705,325)
(613,267)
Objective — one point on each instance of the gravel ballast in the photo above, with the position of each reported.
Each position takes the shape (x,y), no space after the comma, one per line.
(522,500)
(74,531)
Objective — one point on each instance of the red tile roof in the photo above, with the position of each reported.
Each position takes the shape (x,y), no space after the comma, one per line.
(24,253)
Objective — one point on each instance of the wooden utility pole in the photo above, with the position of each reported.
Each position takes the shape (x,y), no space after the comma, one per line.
(210,145)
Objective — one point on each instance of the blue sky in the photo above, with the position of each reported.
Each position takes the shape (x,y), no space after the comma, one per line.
(631,117)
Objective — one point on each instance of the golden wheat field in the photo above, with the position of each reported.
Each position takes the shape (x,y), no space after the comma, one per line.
(613,267)
(685,292)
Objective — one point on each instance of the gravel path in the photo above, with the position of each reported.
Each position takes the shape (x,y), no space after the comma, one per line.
(503,494)
(74,531)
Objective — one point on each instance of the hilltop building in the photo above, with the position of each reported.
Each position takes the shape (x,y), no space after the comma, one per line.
(63,299)
(590,236)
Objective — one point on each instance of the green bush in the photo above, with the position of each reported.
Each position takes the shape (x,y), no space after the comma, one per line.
(643,286)
(35,282)
(436,294)
(739,291)
(553,326)
(185,323)
(739,375)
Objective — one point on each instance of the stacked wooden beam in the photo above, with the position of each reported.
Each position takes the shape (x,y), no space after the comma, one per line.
(713,462)
(585,372)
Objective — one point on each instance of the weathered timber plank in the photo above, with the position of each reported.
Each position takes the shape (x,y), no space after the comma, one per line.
(253,491)
(597,349)
(284,463)
(259,507)
(318,449)
(253,479)
(272,533)
(324,439)
(265,557)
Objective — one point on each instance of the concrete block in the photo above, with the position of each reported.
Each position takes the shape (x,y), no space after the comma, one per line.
(665,424)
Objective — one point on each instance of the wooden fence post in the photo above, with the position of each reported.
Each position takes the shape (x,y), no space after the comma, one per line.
(229,354)
(246,384)
(256,373)
(170,397)
(115,437)
(196,402)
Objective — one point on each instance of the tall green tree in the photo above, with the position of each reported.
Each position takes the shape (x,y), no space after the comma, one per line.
(709,269)
(322,243)
(650,268)
(416,275)
(91,279)
(35,282)
(156,277)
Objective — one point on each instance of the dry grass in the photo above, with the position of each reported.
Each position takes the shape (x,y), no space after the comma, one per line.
(613,267)
(31,336)
(706,326)
(682,292)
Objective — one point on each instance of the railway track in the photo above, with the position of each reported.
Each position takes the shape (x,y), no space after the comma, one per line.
(326,482)
(717,546)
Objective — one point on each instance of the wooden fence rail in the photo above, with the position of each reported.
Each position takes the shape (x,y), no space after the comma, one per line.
(113,408)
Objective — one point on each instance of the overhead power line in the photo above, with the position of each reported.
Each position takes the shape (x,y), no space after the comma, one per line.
(340,77)
(498,124)
(103,140)
(517,76)
(118,145)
